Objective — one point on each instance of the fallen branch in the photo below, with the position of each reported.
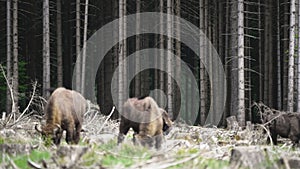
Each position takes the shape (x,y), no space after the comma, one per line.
(26,109)
(33,164)
(11,94)
(108,117)
(268,132)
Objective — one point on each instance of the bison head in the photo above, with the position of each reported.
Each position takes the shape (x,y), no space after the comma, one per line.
(52,132)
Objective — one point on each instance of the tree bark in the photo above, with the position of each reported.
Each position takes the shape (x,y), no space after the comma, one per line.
(15,80)
(177,70)
(234,61)
(266,52)
(121,85)
(285,55)
(137,48)
(279,103)
(298,73)
(241,68)
(82,86)
(202,47)
(270,56)
(291,57)
(46,49)
(260,59)
(161,46)
(169,63)
(8,56)
(78,47)
(59,45)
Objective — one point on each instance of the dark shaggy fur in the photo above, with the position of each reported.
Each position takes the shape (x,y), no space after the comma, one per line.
(64,111)
(146,119)
(286,125)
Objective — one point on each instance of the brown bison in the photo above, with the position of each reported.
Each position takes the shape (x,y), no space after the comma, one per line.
(147,120)
(64,111)
(286,125)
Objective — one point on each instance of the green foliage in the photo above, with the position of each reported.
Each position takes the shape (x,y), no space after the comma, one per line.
(127,155)
(47,141)
(35,155)
(2,141)
(198,162)
(112,154)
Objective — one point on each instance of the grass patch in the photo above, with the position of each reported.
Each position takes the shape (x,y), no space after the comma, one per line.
(125,155)
(2,141)
(35,155)
(111,154)
(202,163)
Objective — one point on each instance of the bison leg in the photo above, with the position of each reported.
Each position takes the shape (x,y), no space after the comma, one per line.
(123,130)
(77,133)
(70,134)
(294,138)
(158,141)
(57,137)
(144,140)
(274,137)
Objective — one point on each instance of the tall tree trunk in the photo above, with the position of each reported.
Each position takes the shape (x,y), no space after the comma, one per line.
(270,57)
(202,47)
(178,63)
(291,57)
(241,68)
(161,46)
(266,52)
(46,49)
(15,80)
(260,53)
(59,45)
(298,73)
(285,55)
(169,62)
(86,11)
(137,48)
(78,47)
(8,55)
(234,61)
(121,51)
(227,58)
(279,103)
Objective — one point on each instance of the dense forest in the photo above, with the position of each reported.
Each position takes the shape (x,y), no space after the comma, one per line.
(256,42)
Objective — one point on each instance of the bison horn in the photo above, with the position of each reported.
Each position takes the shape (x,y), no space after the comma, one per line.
(38,128)
(58,126)
(57,129)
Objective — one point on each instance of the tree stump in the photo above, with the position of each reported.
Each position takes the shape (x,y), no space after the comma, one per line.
(248,157)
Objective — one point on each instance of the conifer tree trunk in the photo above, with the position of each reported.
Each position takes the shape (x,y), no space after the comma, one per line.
(291,56)
(161,46)
(279,96)
(78,48)
(59,45)
(15,80)
(202,47)
(86,12)
(137,48)
(169,63)
(298,73)
(46,49)
(241,68)
(8,56)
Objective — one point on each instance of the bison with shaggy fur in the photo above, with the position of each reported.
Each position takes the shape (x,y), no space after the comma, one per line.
(286,125)
(147,120)
(64,111)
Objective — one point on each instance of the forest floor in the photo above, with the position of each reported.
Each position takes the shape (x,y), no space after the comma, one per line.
(185,146)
